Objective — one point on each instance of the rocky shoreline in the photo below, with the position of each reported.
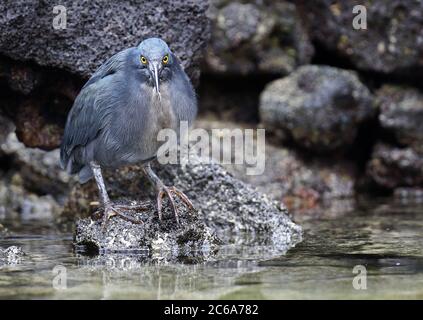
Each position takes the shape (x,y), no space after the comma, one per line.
(342,108)
(228,211)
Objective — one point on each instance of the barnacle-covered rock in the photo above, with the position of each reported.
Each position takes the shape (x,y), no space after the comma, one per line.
(227,208)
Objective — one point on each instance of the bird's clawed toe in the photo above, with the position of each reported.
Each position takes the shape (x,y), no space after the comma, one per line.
(183,197)
(110,209)
(167,191)
(132,207)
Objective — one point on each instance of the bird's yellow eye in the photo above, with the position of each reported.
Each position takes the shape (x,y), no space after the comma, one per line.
(165,59)
(143,60)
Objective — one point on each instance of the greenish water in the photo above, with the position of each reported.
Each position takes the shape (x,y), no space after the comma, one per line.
(385,237)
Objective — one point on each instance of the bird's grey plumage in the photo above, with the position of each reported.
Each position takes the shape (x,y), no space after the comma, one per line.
(116,117)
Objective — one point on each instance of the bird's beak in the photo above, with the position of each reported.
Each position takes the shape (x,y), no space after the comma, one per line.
(155,72)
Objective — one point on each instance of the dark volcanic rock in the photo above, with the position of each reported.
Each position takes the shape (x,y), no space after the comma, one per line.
(40,116)
(95,30)
(17,202)
(319,107)
(392,167)
(40,170)
(33,127)
(31,182)
(6,126)
(42,69)
(401,112)
(392,42)
(405,194)
(235,212)
(250,37)
(3,231)
(230,99)
(19,76)
(315,183)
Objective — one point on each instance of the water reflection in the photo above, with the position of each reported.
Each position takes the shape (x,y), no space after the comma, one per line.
(386,238)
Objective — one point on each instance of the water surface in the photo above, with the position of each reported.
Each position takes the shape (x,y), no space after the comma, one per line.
(384,236)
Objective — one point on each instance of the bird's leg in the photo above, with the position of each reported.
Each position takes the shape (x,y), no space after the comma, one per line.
(163,190)
(110,209)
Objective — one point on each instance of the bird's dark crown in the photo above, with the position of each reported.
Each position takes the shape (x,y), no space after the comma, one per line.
(154,49)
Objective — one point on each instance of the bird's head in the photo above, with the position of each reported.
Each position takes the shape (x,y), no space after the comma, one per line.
(155,60)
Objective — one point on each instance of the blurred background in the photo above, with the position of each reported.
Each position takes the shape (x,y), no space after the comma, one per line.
(342,107)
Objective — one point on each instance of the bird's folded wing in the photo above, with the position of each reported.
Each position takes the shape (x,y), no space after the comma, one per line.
(111,66)
(92,108)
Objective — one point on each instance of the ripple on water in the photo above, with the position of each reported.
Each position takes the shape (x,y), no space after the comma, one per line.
(386,238)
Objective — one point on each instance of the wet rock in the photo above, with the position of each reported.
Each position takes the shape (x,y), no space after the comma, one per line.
(191,237)
(392,42)
(11,255)
(18,202)
(401,112)
(138,261)
(3,231)
(392,167)
(409,193)
(318,107)
(234,211)
(250,37)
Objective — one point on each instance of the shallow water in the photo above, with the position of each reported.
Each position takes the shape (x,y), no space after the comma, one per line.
(384,236)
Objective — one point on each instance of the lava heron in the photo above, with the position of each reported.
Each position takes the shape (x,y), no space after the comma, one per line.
(118,114)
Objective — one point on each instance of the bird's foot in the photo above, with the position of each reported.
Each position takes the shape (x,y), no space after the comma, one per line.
(113,209)
(167,191)
(132,207)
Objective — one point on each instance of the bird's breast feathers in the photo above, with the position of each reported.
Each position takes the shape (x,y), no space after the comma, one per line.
(160,114)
